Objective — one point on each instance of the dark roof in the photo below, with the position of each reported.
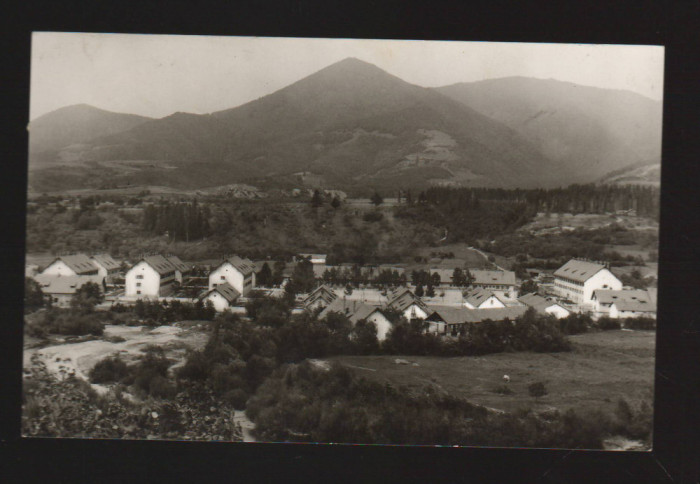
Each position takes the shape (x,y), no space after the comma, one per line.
(578,270)
(242,265)
(106,261)
(608,296)
(539,303)
(478,296)
(159,263)
(482,277)
(323,292)
(402,298)
(227,291)
(78,263)
(178,264)
(453,315)
(353,309)
(636,306)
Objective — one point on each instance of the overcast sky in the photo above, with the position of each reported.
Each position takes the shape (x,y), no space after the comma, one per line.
(156,75)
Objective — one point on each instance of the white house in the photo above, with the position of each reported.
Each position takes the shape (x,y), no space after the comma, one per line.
(61,289)
(236,271)
(71,265)
(356,311)
(577,280)
(624,304)
(410,305)
(313,258)
(482,299)
(500,282)
(152,276)
(222,296)
(544,306)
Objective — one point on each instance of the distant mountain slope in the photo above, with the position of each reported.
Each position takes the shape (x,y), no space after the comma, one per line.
(591,131)
(76,124)
(637,174)
(352,124)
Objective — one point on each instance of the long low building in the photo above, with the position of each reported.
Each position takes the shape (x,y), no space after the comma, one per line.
(625,303)
(452,321)
(356,311)
(61,289)
(578,279)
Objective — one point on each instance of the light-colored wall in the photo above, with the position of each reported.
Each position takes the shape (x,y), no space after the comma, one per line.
(150,284)
(232,276)
(604,279)
(490,303)
(59,268)
(413,311)
(220,303)
(383,324)
(558,311)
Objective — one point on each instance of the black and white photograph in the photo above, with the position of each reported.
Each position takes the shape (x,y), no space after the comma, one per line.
(348,241)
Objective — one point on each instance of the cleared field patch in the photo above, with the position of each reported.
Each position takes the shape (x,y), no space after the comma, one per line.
(602,368)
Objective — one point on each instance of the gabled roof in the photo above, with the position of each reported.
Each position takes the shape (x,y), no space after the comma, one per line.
(465,315)
(227,291)
(79,263)
(178,264)
(106,261)
(322,292)
(242,265)
(65,284)
(539,303)
(578,270)
(478,296)
(482,277)
(354,310)
(607,296)
(159,263)
(403,298)
(636,306)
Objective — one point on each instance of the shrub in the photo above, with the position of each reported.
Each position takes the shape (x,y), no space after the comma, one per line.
(373,216)
(642,323)
(537,389)
(606,323)
(109,370)
(237,397)
(504,390)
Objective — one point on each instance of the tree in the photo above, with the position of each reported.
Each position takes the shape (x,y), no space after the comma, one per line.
(303,276)
(264,277)
(430,291)
(87,297)
(316,199)
(458,278)
(529,286)
(419,290)
(335,203)
(435,279)
(376,199)
(33,296)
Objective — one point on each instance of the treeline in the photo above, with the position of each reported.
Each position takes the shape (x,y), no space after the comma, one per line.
(182,220)
(574,199)
(302,403)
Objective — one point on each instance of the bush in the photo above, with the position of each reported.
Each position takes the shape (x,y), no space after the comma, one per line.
(109,370)
(373,217)
(537,389)
(504,390)
(237,397)
(607,323)
(642,323)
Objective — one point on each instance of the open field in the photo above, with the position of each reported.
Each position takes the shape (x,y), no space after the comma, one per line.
(568,221)
(602,368)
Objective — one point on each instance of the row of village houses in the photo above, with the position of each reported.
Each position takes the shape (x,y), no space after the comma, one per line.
(578,285)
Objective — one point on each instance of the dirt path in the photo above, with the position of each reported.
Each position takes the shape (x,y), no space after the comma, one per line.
(247,426)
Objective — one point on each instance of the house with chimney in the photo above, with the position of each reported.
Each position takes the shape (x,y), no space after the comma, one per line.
(405,301)
(236,271)
(577,280)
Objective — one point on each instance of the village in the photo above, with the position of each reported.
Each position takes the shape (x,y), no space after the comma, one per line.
(446,300)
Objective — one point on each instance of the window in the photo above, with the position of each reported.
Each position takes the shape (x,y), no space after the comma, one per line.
(138,284)
(138,292)
(223,278)
(139,276)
